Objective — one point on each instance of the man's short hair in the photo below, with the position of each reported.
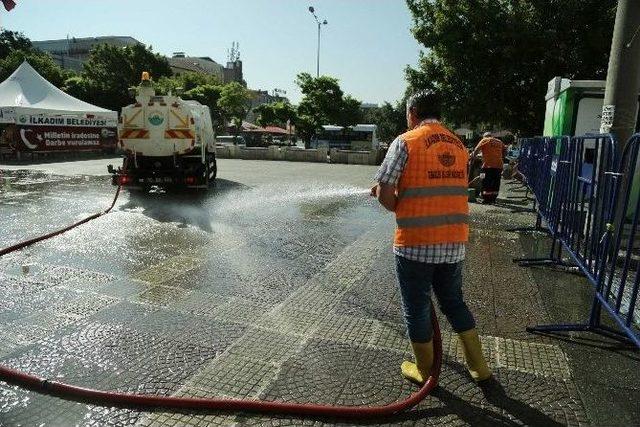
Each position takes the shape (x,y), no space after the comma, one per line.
(425,104)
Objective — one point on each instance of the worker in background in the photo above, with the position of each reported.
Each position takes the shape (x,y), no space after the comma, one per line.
(423,179)
(493,153)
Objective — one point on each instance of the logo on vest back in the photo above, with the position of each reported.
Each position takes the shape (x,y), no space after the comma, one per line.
(446,159)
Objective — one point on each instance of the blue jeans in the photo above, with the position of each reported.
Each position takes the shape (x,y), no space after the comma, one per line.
(416,279)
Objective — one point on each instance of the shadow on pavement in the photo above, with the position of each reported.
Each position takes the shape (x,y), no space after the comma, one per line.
(515,206)
(625,349)
(514,412)
(188,208)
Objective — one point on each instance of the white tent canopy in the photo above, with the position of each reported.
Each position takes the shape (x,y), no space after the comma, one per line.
(27,98)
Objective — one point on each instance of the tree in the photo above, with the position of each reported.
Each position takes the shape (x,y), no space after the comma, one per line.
(276,114)
(350,112)
(306,127)
(322,98)
(186,82)
(492,59)
(11,41)
(77,87)
(323,103)
(111,71)
(208,95)
(42,62)
(234,104)
(15,48)
(391,121)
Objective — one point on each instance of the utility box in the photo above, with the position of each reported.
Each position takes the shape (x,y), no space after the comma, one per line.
(574,108)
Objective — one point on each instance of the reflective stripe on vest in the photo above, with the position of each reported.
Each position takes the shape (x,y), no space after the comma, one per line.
(432,221)
(433,191)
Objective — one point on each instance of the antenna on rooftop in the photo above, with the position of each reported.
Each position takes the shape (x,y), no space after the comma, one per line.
(233,54)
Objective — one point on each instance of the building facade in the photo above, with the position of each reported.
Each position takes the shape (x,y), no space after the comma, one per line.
(72,52)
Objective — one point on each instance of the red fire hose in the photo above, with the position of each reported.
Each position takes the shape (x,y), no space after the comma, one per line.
(63,390)
(30,242)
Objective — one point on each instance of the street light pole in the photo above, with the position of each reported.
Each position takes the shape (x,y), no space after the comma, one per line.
(318,58)
(320,23)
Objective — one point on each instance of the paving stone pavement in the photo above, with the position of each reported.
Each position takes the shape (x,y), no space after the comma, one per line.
(314,317)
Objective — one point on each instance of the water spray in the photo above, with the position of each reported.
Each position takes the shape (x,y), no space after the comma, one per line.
(112,398)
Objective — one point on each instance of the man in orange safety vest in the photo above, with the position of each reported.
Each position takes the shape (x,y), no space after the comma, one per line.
(493,152)
(423,180)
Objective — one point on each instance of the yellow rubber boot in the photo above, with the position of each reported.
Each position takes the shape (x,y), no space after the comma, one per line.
(418,372)
(473,355)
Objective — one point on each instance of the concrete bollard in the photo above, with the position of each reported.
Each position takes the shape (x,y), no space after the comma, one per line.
(322,155)
(272,152)
(292,154)
(338,156)
(358,158)
(222,152)
(373,157)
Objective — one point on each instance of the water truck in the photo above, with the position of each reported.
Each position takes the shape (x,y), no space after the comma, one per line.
(167,142)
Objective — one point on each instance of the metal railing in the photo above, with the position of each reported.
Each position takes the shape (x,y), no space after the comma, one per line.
(587,203)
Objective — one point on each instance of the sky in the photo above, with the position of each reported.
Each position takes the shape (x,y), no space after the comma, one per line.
(366,45)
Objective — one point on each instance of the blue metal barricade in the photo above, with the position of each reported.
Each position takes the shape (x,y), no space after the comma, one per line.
(534,165)
(550,191)
(581,202)
(620,273)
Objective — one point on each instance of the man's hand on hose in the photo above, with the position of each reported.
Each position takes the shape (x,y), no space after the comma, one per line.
(386,195)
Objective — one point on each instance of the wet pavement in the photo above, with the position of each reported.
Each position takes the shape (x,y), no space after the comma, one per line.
(277,285)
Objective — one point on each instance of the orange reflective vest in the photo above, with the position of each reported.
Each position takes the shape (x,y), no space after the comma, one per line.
(432,202)
(492,151)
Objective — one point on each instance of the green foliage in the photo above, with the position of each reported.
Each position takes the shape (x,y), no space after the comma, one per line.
(16,48)
(306,127)
(111,71)
(350,112)
(42,62)
(234,102)
(323,103)
(276,114)
(208,95)
(186,82)
(11,41)
(322,98)
(165,85)
(391,121)
(189,81)
(77,87)
(492,59)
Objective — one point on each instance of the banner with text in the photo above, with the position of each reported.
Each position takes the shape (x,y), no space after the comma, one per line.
(44,120)
(54,138)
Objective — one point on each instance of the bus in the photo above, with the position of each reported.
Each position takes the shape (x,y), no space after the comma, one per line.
(361,137)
